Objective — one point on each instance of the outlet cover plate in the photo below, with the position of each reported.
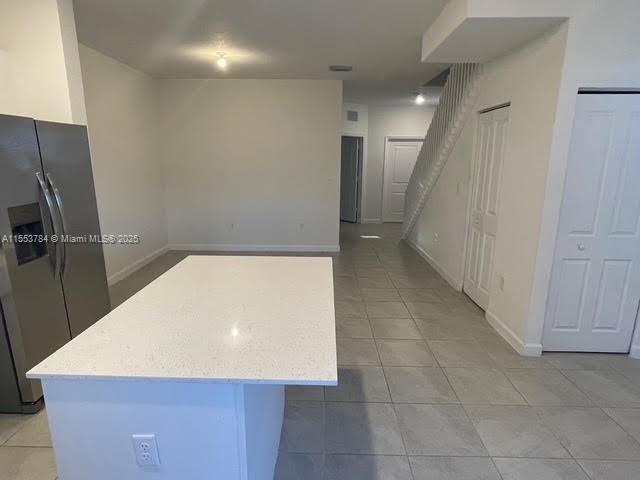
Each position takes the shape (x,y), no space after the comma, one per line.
(145,449)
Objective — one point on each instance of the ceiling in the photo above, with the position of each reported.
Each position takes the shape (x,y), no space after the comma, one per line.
(381,39)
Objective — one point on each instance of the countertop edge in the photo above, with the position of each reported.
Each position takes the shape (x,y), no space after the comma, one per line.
(327,382)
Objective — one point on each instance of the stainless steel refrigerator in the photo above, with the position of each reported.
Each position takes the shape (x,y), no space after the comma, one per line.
(50,290)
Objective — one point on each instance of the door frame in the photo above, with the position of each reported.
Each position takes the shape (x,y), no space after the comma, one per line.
(362,142)
(472,171)
(385,167)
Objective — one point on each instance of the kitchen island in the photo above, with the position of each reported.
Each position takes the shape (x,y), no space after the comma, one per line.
(185,380)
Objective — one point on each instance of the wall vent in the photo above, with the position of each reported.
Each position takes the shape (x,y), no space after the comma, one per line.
(340,68)
(352,115)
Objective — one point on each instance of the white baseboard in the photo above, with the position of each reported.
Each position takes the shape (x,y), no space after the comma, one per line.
(524,349)
(214,247)
(138,264)
(370,220)
(456,284)
(635,351)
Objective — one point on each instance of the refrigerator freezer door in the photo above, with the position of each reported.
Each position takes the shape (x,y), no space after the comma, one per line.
(67,166)
(33,309)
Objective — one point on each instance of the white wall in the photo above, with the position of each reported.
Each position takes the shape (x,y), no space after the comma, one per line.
(70,50)
(536,68)
(251,164)
(440,231)
(530,79)
(7,87)
(385,121)
(602,52)
(122,122)
(595,48)
(40,67)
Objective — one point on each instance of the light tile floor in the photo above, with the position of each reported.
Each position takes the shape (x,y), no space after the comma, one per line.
(427,390)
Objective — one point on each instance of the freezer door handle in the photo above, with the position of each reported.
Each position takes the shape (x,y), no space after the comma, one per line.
(53,259)
(63,225)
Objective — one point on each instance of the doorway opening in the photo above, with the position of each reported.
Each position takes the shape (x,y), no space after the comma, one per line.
(486,184)
(351,179)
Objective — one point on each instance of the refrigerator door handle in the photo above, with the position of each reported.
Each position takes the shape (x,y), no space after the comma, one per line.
(63,224)
(54,220)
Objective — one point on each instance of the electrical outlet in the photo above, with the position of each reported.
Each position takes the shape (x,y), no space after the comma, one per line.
(435,237)
(146,450)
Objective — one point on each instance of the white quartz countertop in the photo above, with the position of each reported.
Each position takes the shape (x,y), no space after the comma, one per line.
(215,318)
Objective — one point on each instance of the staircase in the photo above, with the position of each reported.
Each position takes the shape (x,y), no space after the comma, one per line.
(458,97)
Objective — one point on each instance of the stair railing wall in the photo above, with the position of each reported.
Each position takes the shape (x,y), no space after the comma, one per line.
(458,97)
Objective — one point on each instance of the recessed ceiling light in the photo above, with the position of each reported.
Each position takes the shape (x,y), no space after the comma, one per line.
(370,237)
(420,99)
(222,61)
(340,68)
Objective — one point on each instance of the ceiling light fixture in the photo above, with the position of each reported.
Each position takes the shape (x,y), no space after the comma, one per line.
(420,99)
(222,61)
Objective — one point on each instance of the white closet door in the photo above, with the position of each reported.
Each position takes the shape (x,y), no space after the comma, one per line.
(595,283)
(487,180)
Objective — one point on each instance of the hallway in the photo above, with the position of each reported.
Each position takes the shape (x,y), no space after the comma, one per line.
(429,391)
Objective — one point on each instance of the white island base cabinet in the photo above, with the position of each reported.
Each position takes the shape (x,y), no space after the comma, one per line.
(203,431)
(198,359)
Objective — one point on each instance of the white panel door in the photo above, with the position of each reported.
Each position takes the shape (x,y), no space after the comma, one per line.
(487,181)
(400,158)
(595,282)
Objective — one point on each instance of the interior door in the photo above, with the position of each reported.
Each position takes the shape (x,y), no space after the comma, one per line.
(349,167)
(487,182)
(31,297)
(400,158)
(595,282)
(67,166)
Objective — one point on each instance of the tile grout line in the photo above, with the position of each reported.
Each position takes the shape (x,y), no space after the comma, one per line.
(386,381)
(513,457)
(448,380)
(587,396)
(22,425)
(497,365)
(619,425)
(40,447)
(513,385)
(464,409)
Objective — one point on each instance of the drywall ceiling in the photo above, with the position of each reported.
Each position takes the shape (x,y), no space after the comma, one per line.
(381,39)
(398,93)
